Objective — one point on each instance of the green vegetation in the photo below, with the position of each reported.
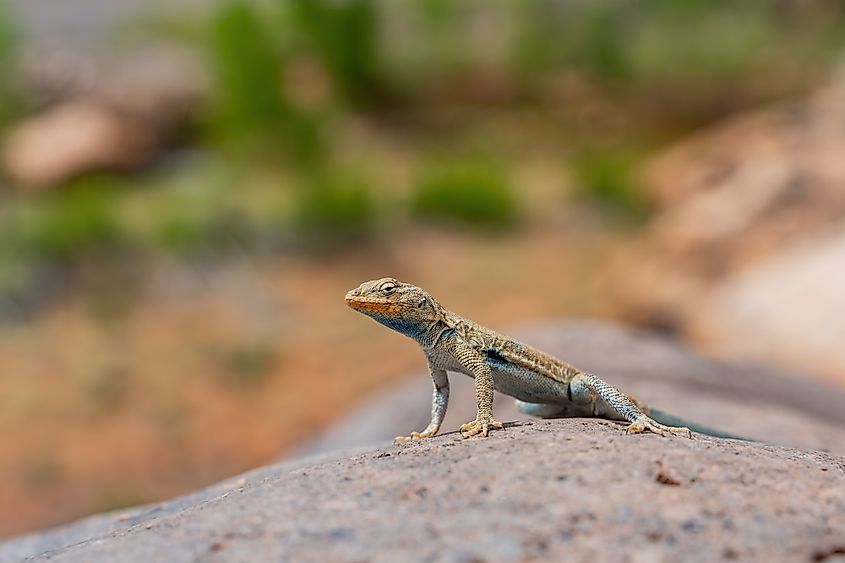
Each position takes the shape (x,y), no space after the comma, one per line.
(188,233)
(11,102)
(693,60)
(250,109)
(610,177)
(334,211)
(344,37)
(77,220)
(473,192)
(185,227)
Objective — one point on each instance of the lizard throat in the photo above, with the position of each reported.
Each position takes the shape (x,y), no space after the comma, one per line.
(389,315)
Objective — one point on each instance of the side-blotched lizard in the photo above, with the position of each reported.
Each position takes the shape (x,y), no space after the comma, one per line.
(543,385)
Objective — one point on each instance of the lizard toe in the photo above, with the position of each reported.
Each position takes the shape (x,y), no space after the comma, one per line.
(482,427)
(471,429)
(645,423)
(412,437)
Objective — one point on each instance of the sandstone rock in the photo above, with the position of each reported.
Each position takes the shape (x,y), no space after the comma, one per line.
(552,490)
(788,309)
(71,139)
(731,197)
(104,113)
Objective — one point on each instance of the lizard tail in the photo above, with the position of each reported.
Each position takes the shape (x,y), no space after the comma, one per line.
(672,420)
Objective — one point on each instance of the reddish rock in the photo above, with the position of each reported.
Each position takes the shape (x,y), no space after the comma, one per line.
(70,139)
(789,309)
(732,197)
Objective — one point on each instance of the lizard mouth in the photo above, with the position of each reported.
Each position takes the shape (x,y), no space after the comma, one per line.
(368,305)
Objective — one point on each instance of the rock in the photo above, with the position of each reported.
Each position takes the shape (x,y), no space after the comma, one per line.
(161,87)
(731,198)
(789,309)
(552,490)
(103,113)
(544,490)
(71,139)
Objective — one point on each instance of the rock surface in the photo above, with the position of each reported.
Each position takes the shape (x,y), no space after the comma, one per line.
(543,490)
(552,490)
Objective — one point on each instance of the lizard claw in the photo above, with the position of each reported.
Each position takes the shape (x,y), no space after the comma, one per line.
(482,427)
(413,436)
(645,423)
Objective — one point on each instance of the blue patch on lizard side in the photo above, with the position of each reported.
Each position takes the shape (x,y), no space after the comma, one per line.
(494,358)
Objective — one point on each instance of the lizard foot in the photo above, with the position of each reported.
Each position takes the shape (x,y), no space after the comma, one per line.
(413,436)
(644,423)
(480,427)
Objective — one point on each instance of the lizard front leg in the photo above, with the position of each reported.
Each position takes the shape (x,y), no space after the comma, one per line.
(439,402)
(474,362)
(586,388)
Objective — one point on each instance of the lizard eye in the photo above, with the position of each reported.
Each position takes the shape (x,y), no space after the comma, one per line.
(388,288)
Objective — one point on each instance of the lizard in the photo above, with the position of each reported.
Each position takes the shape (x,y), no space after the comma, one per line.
(542,385)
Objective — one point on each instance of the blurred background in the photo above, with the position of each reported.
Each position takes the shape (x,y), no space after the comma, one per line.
(189,187)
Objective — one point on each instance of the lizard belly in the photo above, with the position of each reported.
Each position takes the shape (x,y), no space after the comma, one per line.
(526,385)
(514,381)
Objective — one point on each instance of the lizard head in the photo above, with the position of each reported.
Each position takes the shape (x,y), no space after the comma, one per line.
(401,306)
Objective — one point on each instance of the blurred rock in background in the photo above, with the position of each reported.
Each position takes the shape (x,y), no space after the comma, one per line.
(99,114)
(71,139)
(745,253)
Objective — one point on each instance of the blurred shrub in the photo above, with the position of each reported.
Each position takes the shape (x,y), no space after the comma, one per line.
(186,233)
(694,59)
(473,192)
(335,210)
(206,230)
(441,48)
(80,218)
(532,52)
(11,103)
(344,36)
(609,176)
(250,110)
(600,39)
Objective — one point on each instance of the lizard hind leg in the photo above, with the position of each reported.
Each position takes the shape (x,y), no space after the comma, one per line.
(615,404)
